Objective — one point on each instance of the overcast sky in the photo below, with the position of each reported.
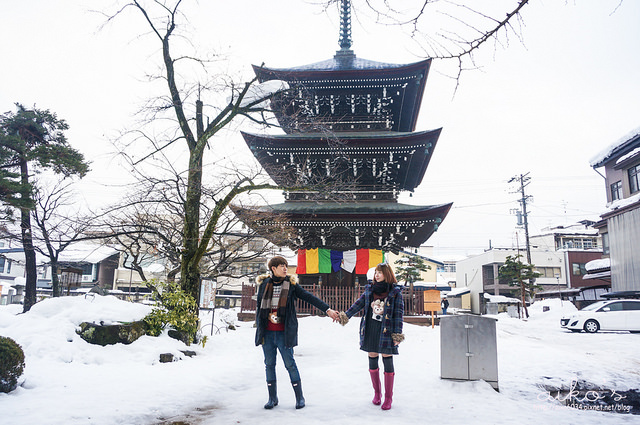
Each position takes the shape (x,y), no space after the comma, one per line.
(543,106)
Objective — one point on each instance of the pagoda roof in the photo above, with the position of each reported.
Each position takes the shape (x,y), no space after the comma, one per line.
(385,160)
(368,209)
(344,226)
(348,94)
(341,64)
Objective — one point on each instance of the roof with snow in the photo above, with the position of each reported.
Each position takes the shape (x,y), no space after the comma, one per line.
(458,291)
(623,145)
(86,253)
(599,264)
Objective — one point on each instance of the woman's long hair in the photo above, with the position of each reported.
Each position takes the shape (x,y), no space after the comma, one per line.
(386,271)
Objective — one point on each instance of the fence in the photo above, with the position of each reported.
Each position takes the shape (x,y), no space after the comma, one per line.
(338,297)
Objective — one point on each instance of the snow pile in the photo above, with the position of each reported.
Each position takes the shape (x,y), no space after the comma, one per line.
(624,202)
(68,381)
(600,263)
(500,299)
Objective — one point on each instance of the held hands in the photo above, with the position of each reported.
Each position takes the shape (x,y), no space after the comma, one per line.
(333,314)
(337,317)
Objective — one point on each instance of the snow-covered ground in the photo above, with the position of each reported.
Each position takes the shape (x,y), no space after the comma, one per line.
(68,381)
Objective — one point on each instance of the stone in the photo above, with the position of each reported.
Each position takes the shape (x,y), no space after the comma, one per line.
(101,334)
(180,336)
(166,358)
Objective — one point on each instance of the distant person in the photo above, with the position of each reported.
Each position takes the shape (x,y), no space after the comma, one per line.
(380,328)
(445,306)
(277,324)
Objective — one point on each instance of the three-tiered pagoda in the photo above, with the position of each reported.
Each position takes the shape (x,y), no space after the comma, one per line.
(350,134)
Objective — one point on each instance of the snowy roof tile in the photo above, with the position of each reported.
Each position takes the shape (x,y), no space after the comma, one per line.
(616,147)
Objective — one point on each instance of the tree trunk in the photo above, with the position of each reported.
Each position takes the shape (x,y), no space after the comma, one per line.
(524,299)
(27,243)
(190,267)
(55,282)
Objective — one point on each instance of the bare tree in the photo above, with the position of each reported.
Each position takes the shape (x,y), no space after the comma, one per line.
(446,29)
(195,132)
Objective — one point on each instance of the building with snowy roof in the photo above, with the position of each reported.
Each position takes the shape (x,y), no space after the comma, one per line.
(620,223)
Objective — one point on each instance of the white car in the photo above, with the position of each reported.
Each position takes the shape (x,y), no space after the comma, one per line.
(612,315)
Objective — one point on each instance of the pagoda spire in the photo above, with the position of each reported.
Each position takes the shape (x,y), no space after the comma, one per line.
(345,30)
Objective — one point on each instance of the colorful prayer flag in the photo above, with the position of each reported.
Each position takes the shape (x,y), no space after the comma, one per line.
(362,261)
(324,260)
(375,257)
(302,262)
(312,261)
(336,260)
(349,260)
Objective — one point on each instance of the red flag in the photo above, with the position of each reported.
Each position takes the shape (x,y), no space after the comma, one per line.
(362,261)
(302,262)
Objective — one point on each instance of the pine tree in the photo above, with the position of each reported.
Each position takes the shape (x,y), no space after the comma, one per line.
(408,270)
(522,276)
(31,140)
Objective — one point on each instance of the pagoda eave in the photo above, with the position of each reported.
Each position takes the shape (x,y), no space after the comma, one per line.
(335,68)
(306,225)
(376,161)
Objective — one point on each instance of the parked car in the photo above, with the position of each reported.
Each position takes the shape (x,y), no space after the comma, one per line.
(611,315)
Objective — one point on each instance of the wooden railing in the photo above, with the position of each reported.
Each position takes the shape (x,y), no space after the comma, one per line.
(339,298)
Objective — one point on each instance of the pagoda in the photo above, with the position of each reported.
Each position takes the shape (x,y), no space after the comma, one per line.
(350,135)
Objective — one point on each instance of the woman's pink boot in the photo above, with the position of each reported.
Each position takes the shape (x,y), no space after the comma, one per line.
(388,390)
(377,390)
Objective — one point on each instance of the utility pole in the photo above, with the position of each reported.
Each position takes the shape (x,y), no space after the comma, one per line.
(524,180)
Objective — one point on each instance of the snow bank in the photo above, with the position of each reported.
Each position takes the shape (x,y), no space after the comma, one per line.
(68,381)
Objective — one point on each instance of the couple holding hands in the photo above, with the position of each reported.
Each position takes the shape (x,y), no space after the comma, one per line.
(277,326)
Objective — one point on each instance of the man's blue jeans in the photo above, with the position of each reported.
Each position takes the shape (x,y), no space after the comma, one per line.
(275,340)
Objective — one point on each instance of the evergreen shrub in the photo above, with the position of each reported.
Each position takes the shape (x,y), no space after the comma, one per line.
(177,310)
(11,364)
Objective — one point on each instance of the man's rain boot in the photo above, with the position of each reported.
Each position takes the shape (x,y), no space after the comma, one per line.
(297,389)
(273,395)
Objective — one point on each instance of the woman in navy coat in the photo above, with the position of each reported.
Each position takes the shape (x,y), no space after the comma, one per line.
(380,328)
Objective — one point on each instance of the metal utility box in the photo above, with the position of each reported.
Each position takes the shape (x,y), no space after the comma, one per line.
(468,348)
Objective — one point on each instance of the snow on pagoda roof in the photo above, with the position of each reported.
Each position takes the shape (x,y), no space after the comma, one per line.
(349,63)
(330,207)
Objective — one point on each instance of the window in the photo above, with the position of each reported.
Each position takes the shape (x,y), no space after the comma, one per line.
(605,243)
(548,272)
(630,305)
(5,265)
(614,306)
(616,191)
(634,185)
(579,269)
(446,268)
(87,269)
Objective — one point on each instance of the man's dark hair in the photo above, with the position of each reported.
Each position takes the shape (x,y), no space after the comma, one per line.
(276,261)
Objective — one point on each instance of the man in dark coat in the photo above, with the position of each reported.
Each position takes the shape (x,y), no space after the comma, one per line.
(277,324)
